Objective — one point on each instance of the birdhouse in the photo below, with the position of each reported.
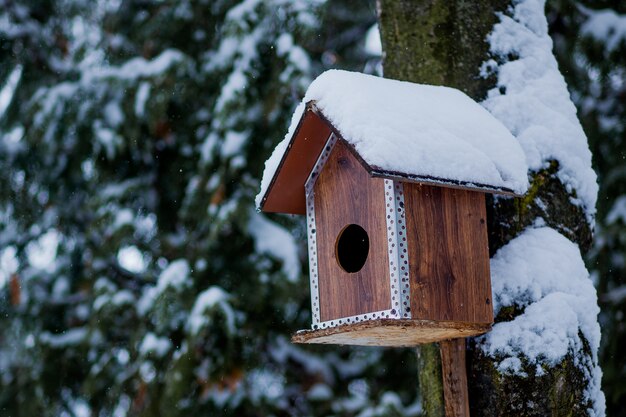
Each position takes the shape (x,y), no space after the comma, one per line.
(392,178)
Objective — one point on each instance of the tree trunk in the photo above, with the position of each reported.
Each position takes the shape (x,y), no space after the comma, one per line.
(443,42)
(439,42)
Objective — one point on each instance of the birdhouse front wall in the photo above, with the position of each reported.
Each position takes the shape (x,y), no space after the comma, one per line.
(359,267)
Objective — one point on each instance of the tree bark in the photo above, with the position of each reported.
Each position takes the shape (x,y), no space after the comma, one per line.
(430,380)
(443,42)
(439,42)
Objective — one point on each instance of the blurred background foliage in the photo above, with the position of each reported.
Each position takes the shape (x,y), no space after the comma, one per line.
(136,278)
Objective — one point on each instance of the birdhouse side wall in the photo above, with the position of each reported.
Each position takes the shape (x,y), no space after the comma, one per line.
(449,254)
(345,194)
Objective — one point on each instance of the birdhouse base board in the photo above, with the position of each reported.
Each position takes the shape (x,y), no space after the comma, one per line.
(391,332)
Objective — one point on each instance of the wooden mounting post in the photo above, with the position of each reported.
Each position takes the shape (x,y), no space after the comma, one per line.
(456,397)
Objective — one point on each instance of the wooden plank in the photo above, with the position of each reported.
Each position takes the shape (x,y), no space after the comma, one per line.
(448,254)
(454,372)
(286,192)
(345,194)
(390,332)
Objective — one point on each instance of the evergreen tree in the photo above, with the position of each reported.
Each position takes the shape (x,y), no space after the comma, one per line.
(137,279)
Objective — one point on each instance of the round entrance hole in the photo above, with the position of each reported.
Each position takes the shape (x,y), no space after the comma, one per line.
(352,248)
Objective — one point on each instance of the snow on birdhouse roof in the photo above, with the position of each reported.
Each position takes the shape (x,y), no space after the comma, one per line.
(409,131)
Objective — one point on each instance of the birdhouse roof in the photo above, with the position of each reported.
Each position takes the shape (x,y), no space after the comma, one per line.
(400,130)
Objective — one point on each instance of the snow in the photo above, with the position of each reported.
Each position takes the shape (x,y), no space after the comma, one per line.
(60,287)
(146,301)
(532,101)
(605,26)
(297,57)
(236,83)
(79,406)
(8,264)
(143,92)
(540,271)
(319,392)
(176,276)
(282,351)
(11,141)
(107,138)
(265,384)
(42,252)
(208,299)
(206,149)
(131,259)
(284,43)
(373,44)
(135,68)
(417,130)
(123,297)
(147,372)
(113,114)
(390,404)
(614,296)
(246,51)
(7,91)
(110,295)
(101,301)
(517,281)
(151,343)
(122,409)
(65,339)
(242,10)
(233,143)
(54,98)
(274,240)
(123,217)
(617,212)
(543,273)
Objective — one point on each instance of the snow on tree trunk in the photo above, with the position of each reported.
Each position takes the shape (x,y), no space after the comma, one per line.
(541,357)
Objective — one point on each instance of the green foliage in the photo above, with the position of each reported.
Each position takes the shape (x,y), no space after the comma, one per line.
(131,151)
(137,131)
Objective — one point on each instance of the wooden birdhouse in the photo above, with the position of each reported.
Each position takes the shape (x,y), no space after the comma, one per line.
(392,179)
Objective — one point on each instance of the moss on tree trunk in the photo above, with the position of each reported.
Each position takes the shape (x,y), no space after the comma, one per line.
(430,379)
(440,42)
(443,42)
